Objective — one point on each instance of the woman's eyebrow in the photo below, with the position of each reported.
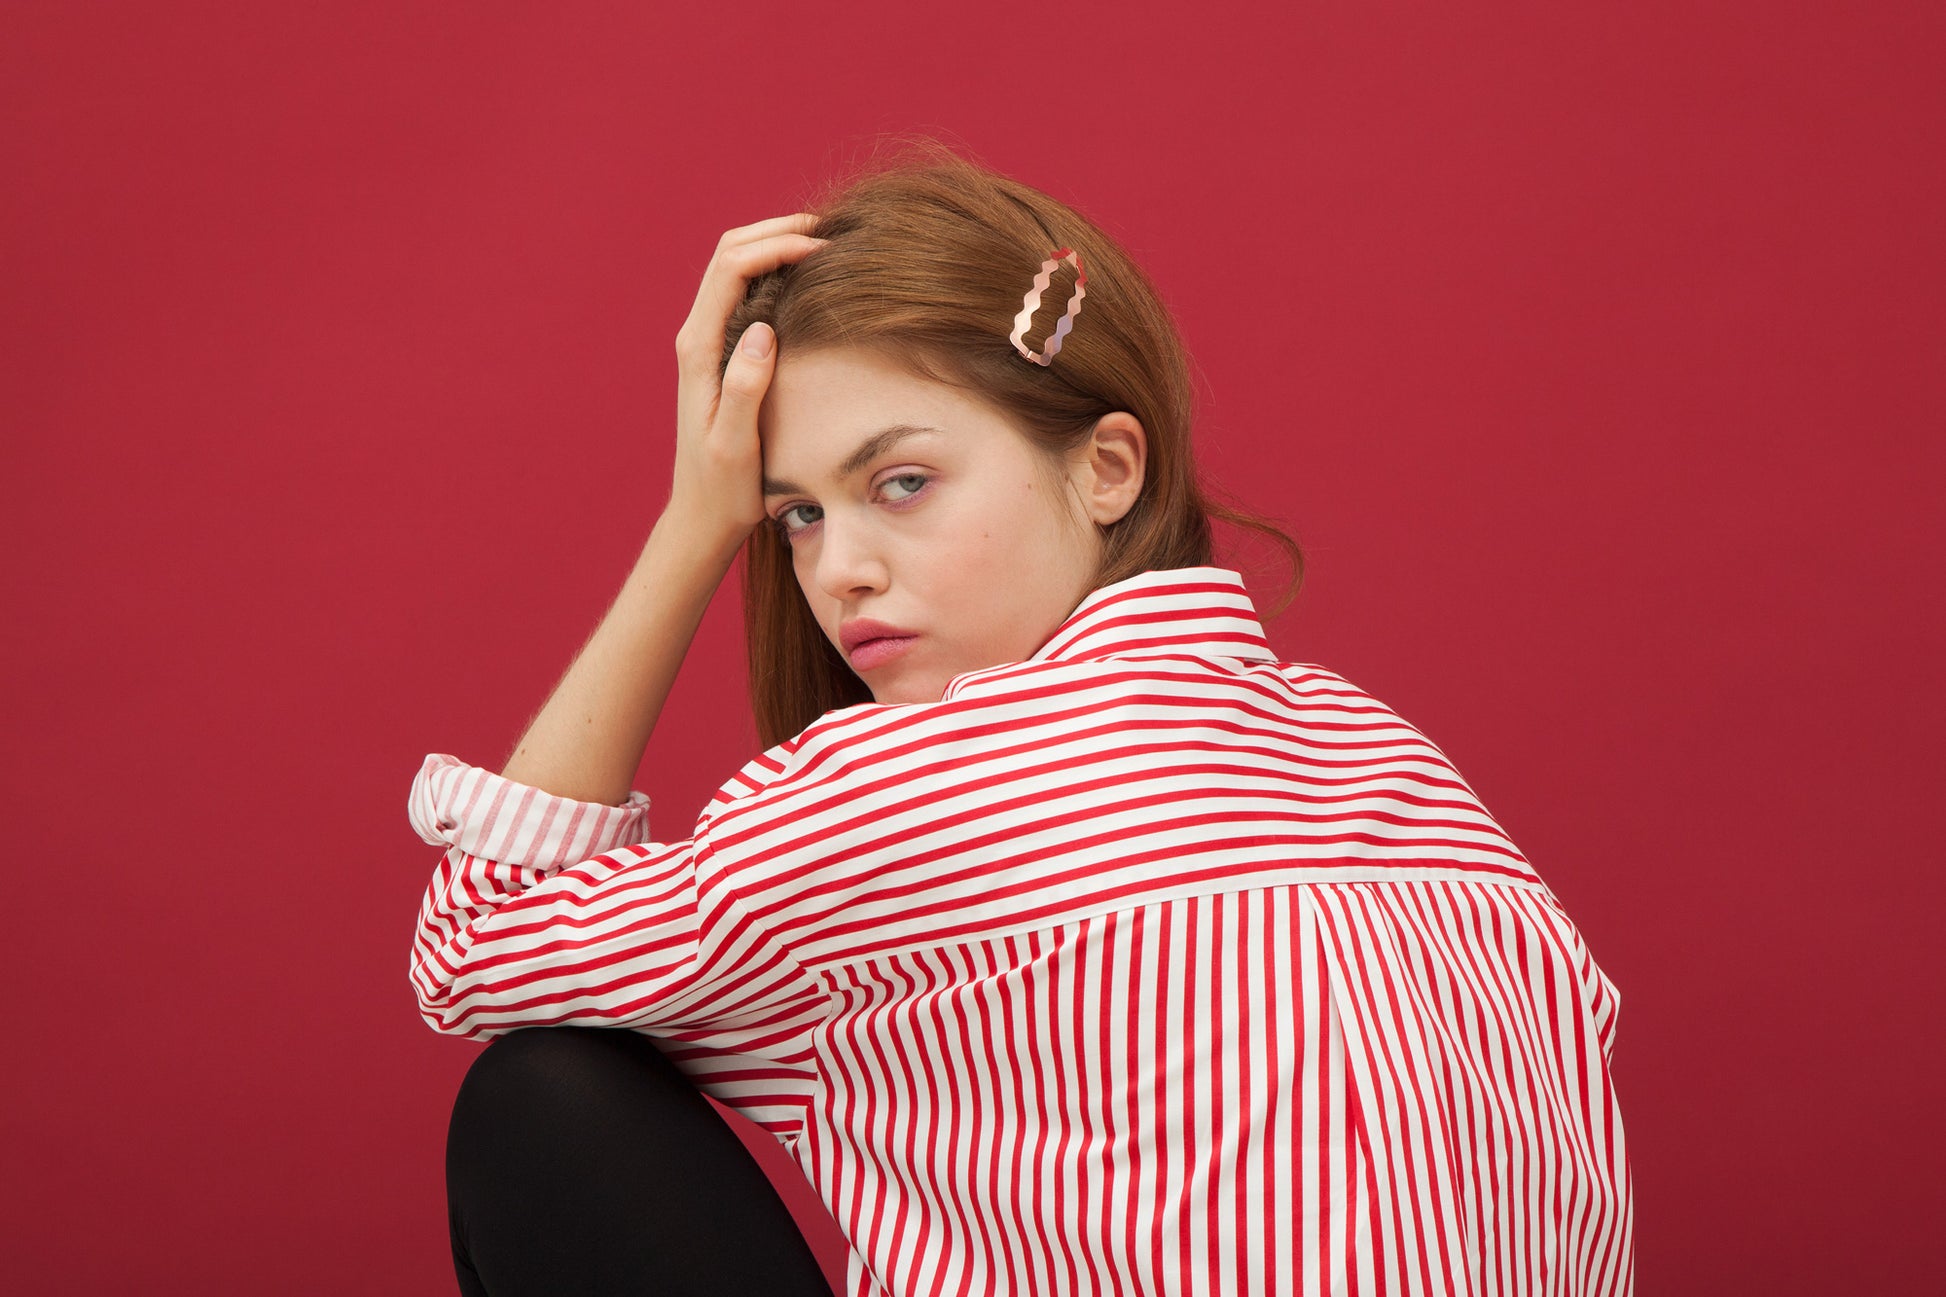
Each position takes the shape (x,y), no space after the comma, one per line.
(868,450)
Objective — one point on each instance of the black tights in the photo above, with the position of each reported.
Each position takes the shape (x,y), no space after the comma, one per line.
(580,1160)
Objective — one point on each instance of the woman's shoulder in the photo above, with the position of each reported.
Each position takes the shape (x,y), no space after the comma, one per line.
(836,730)
(1034,692)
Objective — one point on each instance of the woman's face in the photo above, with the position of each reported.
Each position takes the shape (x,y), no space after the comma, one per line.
(911,504)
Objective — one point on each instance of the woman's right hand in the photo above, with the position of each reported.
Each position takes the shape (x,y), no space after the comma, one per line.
(719,461)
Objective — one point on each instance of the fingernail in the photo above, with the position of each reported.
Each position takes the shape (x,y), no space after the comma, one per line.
(756,340)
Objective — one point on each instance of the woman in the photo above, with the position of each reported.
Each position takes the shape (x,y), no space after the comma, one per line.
(1068,940)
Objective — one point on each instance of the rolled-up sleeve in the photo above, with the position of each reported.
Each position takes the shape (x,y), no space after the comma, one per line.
(546,911)
(483,814)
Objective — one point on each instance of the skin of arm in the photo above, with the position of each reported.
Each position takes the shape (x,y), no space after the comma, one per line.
(587,741)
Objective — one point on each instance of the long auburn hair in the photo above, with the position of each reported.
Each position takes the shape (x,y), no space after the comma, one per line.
(929,259)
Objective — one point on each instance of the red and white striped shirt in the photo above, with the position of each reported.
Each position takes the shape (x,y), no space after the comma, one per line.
(1150,964)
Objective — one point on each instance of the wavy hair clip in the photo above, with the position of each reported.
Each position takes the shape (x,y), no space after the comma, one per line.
(1032,303)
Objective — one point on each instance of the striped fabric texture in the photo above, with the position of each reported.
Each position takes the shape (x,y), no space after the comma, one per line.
(1150,964)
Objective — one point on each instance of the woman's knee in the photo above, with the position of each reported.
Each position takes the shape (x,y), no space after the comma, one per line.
(565,1071)
(536,1060)
(580,1155)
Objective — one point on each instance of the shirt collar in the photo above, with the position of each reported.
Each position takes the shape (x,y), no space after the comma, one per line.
(1188,611)
(1197,611)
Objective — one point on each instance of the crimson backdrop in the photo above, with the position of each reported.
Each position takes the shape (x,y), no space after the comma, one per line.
(1595,356)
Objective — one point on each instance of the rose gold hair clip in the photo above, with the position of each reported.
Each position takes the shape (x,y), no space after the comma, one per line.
(1032,303)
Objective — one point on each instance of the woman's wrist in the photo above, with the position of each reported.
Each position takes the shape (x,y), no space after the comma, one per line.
(695,536)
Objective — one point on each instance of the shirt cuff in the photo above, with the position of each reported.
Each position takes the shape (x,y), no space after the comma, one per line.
(495,818)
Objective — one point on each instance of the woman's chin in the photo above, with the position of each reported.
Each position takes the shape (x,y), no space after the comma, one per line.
(907,691)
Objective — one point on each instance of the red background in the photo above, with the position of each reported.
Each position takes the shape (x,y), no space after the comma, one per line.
(1596,357)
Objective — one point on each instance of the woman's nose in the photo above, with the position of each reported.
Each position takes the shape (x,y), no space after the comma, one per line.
(848,560)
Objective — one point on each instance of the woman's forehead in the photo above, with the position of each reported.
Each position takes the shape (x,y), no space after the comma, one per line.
(834,380)
(824,406)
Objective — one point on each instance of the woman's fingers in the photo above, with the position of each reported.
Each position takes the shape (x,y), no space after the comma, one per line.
(741,255)
(724,284)
(718,458)
(745,380)
(699,348)
(699,345)
(795,223)
(719,461)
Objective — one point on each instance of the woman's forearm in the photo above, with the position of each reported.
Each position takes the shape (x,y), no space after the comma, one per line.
(587,741)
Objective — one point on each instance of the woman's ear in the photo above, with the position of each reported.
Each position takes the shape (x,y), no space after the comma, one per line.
(1107,470)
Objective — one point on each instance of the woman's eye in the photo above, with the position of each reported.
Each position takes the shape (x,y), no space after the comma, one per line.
(799,518)
(785,525)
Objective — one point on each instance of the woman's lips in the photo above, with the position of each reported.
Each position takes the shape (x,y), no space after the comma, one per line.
(877,652)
